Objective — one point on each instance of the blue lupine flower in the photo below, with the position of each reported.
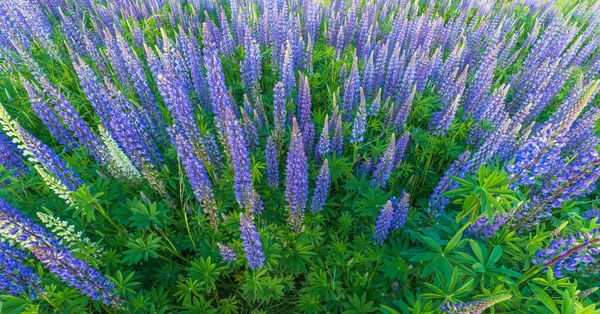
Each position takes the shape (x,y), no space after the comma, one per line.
(321,191)
(337,141)
(279,112)
(48,116)
(251,243)
(55,257)
(324,145)
(10,156)
(437,202)
(197,175)
(71,118)
(351,91)
(384,223)
(401,208)
(245,195)
(482,228)
(569,254)
(287,76)
(386,164)
(359,126)
(272,162)
(15,276)
(227,253)
(304,112)
(44,155)
(296,178)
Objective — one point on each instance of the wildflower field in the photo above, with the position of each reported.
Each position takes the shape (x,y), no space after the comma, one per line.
(299,156)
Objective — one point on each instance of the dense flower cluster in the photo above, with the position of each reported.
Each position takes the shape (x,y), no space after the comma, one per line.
(55,257)
(15,276)
(571,253)
(253,108)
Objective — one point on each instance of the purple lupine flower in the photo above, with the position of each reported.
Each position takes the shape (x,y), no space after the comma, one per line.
(359,126)
(393,73)
(10,156)
(197,175)
(308,59)
(322,184)
(55,257)
(15,276)
(296,178)
(337,141)
(71,118)
(43,154)
(386,164)
(401,207)
(535,157)
(570,254)
(95,91)
(373,110)
(324,145)
(226,42)
(384,223)
(483,229)
(351,91)
(408,80)
(474,307)
(214,73)
(192,59)
(227,253)
(131,136)
(287,76)
(251,66)
(272,162)
(172,89)
(437,202)
(368,77)
(590,214)
(48,116)
(343,74)
(135,79)
(365,167)
(482,79)
(401,147)
(582,131)
(251,243)
(441,120)
(563,183)
(250,132)
(404,111)
(245,194)
(451,93)
(381,62)
(279,111)
(304,111)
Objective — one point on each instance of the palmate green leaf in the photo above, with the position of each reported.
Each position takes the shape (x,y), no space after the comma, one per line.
(124,283)
(142,248)
(272,289)
(144,216)
(205,272)
(359,305)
